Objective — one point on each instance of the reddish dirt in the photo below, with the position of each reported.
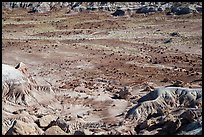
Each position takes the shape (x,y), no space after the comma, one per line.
(117,58)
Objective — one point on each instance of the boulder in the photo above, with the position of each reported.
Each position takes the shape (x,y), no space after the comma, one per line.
(118,13)
(143,9)
(54,130)
(22,128)
(60,122)
(181,10)
(174,9)
(184,10)
(46,120)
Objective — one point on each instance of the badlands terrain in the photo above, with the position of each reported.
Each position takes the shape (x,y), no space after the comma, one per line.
(92,67)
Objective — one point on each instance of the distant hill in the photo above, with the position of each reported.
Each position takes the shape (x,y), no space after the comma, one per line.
(138,7)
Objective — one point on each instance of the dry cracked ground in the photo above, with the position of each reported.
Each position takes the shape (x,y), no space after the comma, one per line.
(90,57)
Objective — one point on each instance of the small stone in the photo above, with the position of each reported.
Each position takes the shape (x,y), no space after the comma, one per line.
(174,34)
(168,41)
(78,116)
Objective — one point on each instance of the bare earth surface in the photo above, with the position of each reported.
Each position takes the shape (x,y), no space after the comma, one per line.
(90,57)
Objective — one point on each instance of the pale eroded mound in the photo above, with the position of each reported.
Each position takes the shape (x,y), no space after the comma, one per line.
(18,86)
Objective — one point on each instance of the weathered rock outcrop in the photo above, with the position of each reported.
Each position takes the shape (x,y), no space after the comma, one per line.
(17,84)
(162,99)
(19,87)
(182,104)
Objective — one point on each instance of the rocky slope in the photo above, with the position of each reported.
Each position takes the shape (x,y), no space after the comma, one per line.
(179,109)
